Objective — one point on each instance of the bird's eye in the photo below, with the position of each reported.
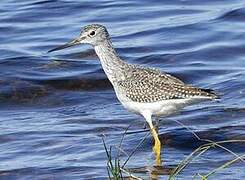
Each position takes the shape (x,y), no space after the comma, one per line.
(92,33)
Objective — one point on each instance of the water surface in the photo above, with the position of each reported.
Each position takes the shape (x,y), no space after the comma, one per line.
(55,107)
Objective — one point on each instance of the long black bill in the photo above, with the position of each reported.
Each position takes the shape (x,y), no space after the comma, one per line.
(69,44)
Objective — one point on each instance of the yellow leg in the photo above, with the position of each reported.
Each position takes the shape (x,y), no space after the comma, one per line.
(157,145)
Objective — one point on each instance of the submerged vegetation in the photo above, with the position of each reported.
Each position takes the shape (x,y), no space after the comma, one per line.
(117,169)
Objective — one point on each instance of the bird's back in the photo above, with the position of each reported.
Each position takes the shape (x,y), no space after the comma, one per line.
(148,85)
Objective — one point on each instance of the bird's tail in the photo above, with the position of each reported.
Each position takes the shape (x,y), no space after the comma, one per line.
(211,93)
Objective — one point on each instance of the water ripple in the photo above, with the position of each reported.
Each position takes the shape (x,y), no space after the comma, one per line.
(56,107)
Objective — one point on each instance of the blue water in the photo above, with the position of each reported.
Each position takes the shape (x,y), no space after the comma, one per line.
(56,107)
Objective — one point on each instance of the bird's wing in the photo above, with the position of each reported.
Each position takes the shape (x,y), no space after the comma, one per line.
(149,85)
(139,73)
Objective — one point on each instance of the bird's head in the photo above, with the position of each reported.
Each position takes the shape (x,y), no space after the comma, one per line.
(93,34)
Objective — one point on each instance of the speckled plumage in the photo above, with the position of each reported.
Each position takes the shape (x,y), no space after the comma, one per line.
(144,91)
(133,82)
(149,85)
(140,84)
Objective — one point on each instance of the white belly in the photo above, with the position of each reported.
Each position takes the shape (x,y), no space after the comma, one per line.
(165,107)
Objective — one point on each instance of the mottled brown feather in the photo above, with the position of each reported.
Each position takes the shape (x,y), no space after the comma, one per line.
(150,85)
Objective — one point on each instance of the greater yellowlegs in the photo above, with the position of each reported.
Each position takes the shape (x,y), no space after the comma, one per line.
(142,90)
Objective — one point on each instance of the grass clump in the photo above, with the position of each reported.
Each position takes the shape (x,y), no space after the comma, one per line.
(113,166)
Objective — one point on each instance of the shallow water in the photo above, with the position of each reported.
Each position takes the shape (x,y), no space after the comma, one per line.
(56,107)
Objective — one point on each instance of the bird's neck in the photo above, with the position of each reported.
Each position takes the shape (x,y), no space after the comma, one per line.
(110,61)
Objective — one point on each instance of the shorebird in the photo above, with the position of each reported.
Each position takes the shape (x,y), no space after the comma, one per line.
(145,91)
